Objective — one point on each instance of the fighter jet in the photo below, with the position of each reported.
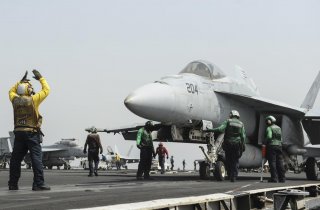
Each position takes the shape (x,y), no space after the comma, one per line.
(5,150)
(110,159)
(201,96)
(59,154)
(124,159)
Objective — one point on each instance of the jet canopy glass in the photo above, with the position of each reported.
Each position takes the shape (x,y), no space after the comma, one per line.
(203,69)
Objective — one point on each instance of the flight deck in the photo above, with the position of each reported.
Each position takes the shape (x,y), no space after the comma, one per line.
(73,189)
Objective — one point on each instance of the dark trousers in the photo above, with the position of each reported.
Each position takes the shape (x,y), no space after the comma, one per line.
(161,163)
(93,156)
(145,162)
(24,142)
(276,163)
(233,152)
(172,165)
(118,164)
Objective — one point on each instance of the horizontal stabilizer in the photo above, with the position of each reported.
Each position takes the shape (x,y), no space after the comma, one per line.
(312,94)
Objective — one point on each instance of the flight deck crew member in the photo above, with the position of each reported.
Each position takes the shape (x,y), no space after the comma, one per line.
(145,144)
(234,140)
(118,161)
(94,144)
(27,124)
(172,163)
(162,152)
(274,150)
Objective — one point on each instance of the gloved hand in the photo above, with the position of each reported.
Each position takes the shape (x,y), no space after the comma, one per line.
(24,78)
(36,73)
(167,157)
(139,146)
(84,151)
(101,151)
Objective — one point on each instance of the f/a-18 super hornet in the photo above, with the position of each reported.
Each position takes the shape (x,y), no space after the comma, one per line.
(6,150)
(59,154)
(110,158)
(201,96)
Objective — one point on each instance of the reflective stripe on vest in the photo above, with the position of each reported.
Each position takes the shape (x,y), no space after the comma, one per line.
(233,130)
(146,139)
(276,135)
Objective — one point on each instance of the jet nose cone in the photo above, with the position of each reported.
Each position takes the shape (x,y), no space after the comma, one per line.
(153,101)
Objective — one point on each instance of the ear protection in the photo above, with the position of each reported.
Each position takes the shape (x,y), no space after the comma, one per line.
(25,88)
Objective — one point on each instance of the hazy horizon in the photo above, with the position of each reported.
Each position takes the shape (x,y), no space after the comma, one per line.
(94,53)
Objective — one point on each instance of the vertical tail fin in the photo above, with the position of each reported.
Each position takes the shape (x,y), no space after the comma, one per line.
(11,141)
(110,151)
(242,76)
(312,94)
(9,145)
(116,149)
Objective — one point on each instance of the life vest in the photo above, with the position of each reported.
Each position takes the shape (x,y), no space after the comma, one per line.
(25,116)
(93,141)
(146,139)
(233,130)
(276,136)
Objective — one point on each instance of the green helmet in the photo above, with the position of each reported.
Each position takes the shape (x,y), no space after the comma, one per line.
(271,118)
(234,113)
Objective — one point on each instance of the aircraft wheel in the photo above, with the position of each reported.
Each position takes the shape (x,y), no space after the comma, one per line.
(219,171)
(312,169)
(50,167)
(28,166)
(204,170)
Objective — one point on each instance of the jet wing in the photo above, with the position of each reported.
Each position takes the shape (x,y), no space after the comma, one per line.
(130,160)
(52,149)
(130,133)
(265,105)
(124,129)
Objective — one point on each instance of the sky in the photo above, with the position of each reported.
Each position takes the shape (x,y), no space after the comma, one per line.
(94,53)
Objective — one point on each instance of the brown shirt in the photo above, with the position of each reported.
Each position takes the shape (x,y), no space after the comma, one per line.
(93,142)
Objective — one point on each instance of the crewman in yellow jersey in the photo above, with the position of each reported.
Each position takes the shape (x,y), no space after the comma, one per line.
(27,130)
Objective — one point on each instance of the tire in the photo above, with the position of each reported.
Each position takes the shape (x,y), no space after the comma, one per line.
(219,171)
(311,169)
(204,170)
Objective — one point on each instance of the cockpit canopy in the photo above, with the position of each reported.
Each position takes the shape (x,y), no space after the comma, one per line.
(203,69)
